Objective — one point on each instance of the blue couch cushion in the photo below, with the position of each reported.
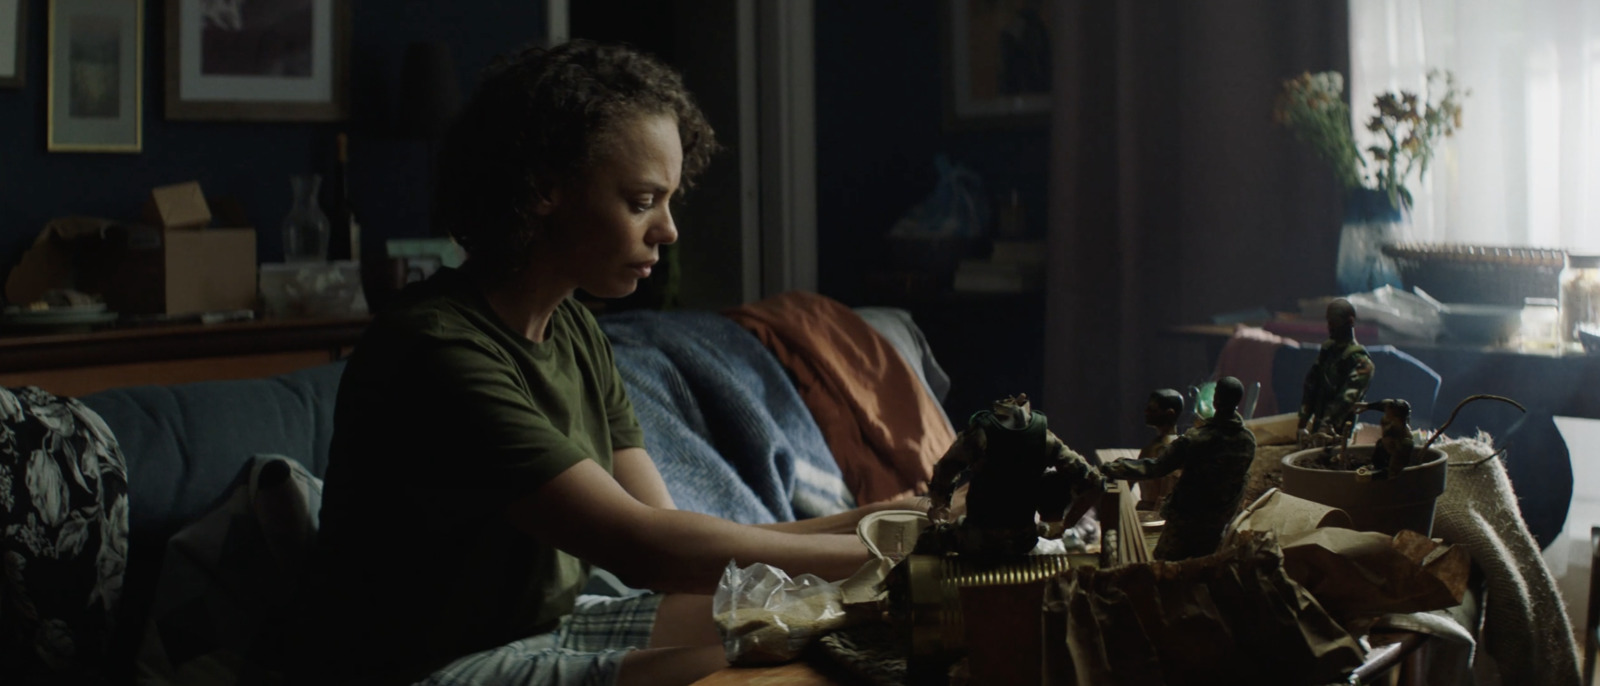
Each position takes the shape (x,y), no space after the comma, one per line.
(184,446)
(186,443)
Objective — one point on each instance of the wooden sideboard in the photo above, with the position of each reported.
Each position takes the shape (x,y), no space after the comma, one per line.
(75,364)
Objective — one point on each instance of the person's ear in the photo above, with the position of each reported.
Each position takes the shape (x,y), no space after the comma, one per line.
(544,202)
(546,195)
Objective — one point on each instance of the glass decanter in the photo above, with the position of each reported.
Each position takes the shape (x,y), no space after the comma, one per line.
(305,229)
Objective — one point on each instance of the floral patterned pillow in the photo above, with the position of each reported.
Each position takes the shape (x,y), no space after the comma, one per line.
(63,536)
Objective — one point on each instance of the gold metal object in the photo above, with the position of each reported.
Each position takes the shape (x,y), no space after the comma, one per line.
(925,595)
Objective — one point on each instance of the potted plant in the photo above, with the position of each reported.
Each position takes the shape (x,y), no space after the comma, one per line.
(1406,126)
(1403,501)
(1384,487)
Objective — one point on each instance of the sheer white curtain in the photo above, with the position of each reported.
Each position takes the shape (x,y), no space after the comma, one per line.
(1524,169)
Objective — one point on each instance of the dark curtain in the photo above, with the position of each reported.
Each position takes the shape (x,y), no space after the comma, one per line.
(1173,196)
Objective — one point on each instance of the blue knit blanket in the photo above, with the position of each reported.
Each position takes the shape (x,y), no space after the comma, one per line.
(722,420)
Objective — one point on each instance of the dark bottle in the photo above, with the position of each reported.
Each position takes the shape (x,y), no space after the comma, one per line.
(344,240)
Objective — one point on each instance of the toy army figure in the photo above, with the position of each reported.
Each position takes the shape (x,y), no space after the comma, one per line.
(1215,458)
(1336,383)
(1160,413)
(1018,470)
(1396,445)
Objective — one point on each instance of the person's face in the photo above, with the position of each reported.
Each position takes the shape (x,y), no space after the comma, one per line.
(605,229)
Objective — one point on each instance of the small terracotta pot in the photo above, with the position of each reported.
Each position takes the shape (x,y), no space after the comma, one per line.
(1388,505)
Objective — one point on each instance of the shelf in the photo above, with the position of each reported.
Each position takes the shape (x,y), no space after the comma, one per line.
(79,363)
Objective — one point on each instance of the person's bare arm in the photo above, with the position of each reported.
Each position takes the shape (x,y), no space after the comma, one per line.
(587,513)
(845,522)
(638,475)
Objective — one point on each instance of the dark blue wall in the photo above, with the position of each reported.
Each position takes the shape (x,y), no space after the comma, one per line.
(880,122)
(251,162)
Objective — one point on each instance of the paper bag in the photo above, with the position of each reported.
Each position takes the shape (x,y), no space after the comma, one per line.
(1233,617)
(1362,574)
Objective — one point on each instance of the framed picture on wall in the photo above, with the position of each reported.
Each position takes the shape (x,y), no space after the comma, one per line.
(13,35)
(997,63)
(94,75)
(258,60)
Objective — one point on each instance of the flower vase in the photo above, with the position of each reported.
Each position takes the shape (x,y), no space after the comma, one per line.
(305,229)
(1370,222)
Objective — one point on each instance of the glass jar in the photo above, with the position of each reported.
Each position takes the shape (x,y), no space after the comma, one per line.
(305,229)
(1580,295)
(1541,321)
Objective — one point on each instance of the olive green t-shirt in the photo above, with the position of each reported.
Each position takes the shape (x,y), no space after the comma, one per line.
(445,417)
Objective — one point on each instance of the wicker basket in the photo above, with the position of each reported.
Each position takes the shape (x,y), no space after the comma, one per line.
(1480,274)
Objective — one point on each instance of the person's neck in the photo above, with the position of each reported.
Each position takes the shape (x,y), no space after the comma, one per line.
(523,301)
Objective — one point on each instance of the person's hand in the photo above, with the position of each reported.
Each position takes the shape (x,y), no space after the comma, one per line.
(939,514)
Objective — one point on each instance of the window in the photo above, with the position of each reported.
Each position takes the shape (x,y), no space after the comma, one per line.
(1524,169)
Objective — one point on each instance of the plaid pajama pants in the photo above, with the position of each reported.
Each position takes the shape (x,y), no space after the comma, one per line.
(585,650)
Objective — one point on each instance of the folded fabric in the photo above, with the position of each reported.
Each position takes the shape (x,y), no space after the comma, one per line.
(227,595)
(1525,625)
(885,431)
(897,327)
(63,538)
(721,420)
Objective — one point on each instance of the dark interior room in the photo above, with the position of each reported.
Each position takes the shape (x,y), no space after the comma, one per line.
(932,242)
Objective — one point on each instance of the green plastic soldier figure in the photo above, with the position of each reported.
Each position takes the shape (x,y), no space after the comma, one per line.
(1160,413)
(1336,383)
(1018,469)
(1215,458)
(1396,445)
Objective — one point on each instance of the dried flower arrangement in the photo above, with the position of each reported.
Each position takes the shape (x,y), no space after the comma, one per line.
(1409,126)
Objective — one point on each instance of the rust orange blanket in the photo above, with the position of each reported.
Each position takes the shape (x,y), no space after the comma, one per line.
(884,429)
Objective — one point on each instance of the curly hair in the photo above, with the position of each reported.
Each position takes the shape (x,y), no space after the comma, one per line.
(538,119)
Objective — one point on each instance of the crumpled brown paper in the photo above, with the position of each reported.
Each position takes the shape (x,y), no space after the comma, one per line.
(49,262)
(1285,515)
(1232,617)
(1357,575)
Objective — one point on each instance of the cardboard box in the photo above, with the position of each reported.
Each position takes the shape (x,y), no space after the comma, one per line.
(202,269)
(173,265)
(155,271)
(209,271)
(178,207)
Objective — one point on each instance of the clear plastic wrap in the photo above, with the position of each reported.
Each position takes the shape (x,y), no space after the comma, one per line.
(766,617)
(1410,316)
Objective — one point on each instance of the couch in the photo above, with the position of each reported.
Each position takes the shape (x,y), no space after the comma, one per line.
(706,390)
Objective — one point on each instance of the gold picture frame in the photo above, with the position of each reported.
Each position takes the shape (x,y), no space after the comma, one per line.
(997,63)
(277,60)
(13,43)
(94,74)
